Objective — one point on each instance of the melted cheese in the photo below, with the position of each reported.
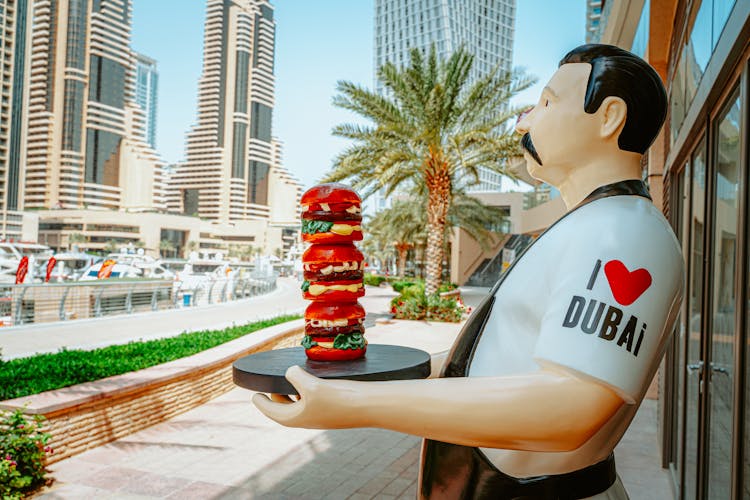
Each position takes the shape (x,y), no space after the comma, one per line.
(318,289)
(344,229)
(327,345)
(327,323)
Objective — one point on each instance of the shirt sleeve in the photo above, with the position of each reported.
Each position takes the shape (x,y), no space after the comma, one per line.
(614,295)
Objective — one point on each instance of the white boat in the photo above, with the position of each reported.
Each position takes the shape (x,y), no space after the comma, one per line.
(70,266)
(202,268)
(128,264)
(11,254)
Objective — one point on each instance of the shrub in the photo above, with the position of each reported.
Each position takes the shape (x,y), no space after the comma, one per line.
(45,372)
(398,286)
(373,279)
(413,304)
(23,454)
(447,287)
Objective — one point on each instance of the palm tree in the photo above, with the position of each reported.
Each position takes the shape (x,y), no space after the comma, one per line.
(430,130)
(74,239)
(165,246)
(401,226)
(111,246)
(191,246)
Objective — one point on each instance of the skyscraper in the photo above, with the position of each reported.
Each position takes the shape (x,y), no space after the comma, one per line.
(484,28)
(146,87)
(13,23)
(593,18)
(229,153)
(85,146)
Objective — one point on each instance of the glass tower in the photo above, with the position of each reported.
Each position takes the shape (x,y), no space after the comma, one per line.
(483,27)
(146,88)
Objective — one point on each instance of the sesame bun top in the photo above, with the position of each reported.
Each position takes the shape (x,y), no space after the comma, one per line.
(332,253)
(332,192)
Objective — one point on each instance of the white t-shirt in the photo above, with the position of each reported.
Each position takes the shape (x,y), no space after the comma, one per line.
(598,295)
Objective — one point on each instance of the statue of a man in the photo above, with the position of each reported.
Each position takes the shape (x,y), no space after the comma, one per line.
(548,372)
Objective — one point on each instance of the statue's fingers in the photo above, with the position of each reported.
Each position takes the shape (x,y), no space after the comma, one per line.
(283,413)
(281,398)
(300,379)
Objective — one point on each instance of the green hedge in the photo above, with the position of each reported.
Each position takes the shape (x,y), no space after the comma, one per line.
(44,372)
(373,279)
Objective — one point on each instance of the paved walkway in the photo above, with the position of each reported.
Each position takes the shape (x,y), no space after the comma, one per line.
(227,449)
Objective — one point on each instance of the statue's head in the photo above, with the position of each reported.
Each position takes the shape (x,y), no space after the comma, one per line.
(602,100)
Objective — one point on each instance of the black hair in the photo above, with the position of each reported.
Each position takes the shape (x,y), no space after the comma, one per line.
(617,72)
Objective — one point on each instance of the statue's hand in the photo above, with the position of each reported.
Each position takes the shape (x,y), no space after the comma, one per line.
(321,403)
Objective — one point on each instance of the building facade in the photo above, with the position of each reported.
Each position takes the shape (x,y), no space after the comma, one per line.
(14,23)
(85,137)
(146,93)
(226,173)
(485,28)
(698,172)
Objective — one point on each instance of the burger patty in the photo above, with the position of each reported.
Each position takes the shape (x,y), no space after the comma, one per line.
(331,216)
(332,331)
(334,276)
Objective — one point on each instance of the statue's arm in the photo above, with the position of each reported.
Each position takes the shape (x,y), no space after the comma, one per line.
(542,411)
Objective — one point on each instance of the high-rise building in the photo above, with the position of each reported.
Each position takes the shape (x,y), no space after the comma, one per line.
(85,144)
(226,173)
(485,28)
(593,18)
(146,87)
(13,25)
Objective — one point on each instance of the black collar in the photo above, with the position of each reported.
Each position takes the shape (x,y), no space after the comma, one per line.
(634,187)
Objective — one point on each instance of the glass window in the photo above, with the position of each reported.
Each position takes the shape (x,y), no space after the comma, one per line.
(677,98)
(699,44)
(694,320)
(721,11)
(102,157)
(257,185)
(722,364)
(640,40)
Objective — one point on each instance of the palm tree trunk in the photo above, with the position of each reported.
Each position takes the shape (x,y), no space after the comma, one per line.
(403,250)
(438,183)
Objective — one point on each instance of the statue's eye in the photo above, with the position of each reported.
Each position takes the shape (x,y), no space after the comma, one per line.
(546,103)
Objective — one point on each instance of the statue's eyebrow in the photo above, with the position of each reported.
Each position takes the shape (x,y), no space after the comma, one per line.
(549,90)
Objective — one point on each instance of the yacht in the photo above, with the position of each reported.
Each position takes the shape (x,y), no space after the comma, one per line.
(11,254)
(129,264)
(70,266)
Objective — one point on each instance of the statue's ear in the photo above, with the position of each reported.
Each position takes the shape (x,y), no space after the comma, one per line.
(613,112)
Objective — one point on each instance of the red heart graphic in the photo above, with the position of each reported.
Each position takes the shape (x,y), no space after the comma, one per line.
(626,286)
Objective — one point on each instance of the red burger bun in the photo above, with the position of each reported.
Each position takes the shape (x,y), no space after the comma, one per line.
(334,311)
(317,353)
(333,263)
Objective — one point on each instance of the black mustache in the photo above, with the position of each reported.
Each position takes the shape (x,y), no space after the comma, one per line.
(528,145)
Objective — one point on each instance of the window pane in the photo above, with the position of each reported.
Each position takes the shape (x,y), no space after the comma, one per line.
(677,98)
(722,9)
(694,308)
(722,366)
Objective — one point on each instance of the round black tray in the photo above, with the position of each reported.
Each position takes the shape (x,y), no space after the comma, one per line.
(264,371)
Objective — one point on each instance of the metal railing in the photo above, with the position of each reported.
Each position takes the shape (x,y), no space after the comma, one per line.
(44,303)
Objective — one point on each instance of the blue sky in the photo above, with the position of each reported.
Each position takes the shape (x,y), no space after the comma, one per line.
(317,43)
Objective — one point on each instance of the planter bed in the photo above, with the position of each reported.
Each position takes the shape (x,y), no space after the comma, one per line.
(87,415)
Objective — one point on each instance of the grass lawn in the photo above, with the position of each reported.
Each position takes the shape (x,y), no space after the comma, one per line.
(44,372)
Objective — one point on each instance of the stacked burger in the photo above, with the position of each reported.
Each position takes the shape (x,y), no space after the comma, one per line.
(333,272)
